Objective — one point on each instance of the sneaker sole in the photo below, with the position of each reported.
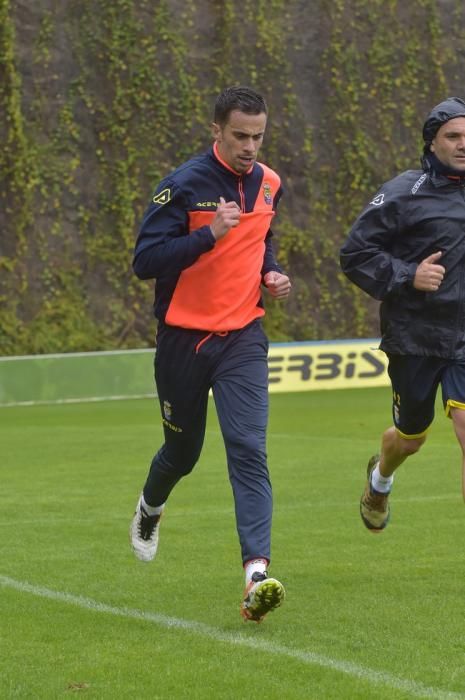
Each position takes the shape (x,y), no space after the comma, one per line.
(269,596)
(370,527)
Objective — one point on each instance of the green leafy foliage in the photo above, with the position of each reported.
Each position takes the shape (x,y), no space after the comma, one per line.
(99,100)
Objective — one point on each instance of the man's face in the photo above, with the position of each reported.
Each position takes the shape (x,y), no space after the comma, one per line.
(239,139)
(449,143)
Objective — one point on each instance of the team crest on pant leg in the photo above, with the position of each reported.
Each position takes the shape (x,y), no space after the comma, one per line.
(167,413)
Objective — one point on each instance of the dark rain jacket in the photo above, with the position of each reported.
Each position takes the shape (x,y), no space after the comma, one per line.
(202,283)
(412,216)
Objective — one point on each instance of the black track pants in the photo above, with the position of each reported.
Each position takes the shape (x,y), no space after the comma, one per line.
(234,365)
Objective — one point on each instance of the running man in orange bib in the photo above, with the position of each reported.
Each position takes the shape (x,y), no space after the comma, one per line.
(206,240)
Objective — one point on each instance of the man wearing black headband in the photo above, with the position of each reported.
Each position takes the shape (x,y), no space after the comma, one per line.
(407,249)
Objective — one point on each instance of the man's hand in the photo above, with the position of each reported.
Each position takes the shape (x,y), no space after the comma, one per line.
(277,284)
(429,275)
(227,216)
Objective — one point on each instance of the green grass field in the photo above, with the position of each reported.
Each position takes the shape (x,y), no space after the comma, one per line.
(366,616)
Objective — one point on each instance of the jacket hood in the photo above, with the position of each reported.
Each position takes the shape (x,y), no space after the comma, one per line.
(449,109)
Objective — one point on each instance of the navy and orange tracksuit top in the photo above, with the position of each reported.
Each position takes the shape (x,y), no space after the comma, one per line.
(202,283)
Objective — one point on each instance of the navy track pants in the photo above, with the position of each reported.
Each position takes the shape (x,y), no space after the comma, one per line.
(234,365)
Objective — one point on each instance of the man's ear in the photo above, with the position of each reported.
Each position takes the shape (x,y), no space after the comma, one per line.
(216,131)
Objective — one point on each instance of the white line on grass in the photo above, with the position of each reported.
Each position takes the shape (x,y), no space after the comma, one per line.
(307,657)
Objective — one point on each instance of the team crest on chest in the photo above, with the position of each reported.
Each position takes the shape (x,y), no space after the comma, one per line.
(267,194)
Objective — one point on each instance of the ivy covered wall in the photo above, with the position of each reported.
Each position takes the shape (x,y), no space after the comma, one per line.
(99,99)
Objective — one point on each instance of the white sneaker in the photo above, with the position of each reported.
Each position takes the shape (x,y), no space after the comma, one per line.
(144,533)
(261,596)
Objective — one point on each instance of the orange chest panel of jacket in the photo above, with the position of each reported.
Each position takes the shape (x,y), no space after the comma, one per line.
(221,290)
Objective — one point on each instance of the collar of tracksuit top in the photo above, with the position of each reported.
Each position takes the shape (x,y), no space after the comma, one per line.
(221,290)
(432,163)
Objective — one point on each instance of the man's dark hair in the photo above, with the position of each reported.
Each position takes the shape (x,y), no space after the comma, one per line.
(241,98)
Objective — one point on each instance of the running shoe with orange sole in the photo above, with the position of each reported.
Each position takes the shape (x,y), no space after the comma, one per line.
(261,596)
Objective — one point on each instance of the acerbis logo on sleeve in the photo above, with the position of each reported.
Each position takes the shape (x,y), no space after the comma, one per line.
(378,200)
(162,197)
